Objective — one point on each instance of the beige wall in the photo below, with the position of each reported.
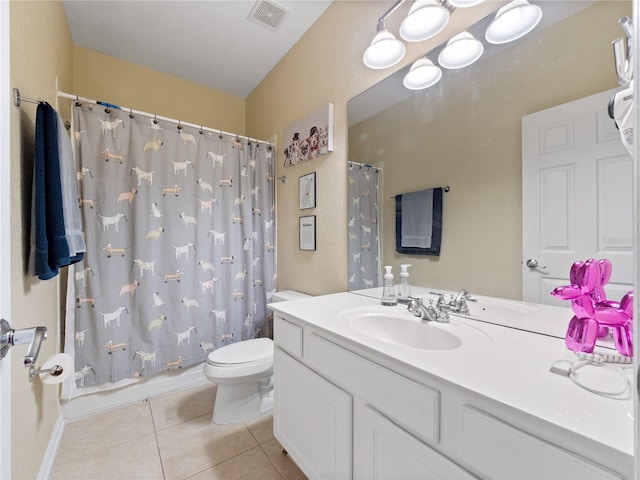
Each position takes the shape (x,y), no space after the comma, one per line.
(472,141)
(40,52)
(326,66)
(106,78)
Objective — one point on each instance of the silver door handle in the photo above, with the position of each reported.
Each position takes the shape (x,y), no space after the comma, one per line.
(533,264)
(33,336)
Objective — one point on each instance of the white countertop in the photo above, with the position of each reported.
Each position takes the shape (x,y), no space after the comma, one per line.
(508,364)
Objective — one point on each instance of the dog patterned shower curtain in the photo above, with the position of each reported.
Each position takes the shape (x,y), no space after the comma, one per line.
(179,226)
(364,242)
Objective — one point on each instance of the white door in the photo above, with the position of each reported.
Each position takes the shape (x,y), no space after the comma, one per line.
(5,367)
(576,197)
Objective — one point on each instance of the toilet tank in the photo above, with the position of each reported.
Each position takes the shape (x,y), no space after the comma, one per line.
(283,296)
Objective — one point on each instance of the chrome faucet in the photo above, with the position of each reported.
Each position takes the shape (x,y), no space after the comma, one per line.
(419,309)
(457,303)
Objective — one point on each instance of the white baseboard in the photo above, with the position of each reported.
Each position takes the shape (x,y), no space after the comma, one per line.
(52,448)
(158,384)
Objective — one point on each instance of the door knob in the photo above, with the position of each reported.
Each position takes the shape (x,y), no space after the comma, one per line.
(532,263)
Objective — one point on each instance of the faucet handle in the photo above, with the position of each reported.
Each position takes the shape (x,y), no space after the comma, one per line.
(441,301)
(414,305)
(443,315)
(467,296)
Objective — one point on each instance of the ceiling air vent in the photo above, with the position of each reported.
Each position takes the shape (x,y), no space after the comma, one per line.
(268,14)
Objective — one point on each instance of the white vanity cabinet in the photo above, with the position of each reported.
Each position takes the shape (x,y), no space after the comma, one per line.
(312,417)
(322,419)
(344,410)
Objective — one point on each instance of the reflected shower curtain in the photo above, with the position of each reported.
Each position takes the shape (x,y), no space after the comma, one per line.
(179,226)
(364,248)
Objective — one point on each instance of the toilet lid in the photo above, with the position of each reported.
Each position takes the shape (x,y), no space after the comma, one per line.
(247,351)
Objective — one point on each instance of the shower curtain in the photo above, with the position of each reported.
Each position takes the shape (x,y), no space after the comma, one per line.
(179,226)
(364,245)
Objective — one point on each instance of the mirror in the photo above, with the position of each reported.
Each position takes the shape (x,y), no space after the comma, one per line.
(465,132)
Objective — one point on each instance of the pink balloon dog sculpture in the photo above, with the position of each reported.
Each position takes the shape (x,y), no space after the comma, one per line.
(595,315)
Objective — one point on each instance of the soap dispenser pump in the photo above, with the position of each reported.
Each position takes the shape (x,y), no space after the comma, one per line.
(388,291)
(404,290)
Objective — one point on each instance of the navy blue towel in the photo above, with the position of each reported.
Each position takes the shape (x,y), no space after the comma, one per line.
(436,233)
(52,250)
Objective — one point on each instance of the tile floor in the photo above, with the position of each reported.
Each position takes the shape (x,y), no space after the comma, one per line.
(171,437)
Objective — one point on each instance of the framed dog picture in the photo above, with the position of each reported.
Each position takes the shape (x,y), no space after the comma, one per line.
(307,191)
(309,138)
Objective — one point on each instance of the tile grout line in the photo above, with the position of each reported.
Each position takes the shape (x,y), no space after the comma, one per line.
(264,451)
(155,434)
(225,461)
(113,445)
(272,463)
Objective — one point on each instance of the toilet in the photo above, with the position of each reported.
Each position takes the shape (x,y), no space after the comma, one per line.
(243,372)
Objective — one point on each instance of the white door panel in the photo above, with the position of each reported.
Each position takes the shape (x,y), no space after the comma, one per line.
(577,196)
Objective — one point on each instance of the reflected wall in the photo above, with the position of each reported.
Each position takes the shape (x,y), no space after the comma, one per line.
(466,133)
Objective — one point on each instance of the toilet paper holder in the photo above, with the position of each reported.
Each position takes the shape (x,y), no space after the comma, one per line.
(54,371)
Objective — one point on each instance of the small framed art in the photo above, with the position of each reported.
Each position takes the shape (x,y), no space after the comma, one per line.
(308,232)
(307,191)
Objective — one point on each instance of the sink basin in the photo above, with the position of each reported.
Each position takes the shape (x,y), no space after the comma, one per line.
(399,327)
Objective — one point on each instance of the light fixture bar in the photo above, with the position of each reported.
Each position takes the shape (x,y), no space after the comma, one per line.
(391,9)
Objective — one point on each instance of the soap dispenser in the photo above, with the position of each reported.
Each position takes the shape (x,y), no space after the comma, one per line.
(388,291)
(404,290)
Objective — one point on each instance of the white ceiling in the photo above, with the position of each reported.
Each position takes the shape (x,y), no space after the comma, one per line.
(209,42)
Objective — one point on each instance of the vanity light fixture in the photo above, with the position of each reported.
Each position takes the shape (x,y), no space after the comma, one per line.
(426,19)
(422,74)
(464,3)
(513,21)
(461,51)
(385,49)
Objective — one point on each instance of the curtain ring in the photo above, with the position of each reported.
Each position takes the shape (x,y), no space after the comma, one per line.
(220,135)
(201,130)
(106,110)
(131,113)
(78,103)
(179,126)
(155,119)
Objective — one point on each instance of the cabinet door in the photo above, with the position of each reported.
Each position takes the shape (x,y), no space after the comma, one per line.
(498,450)
(385,451)
(312,419)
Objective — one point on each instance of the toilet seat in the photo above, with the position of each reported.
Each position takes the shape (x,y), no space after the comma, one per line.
(245,353)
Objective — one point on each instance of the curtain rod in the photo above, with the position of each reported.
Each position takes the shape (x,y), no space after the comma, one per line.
(180,123)
(366,165)
(18,99)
